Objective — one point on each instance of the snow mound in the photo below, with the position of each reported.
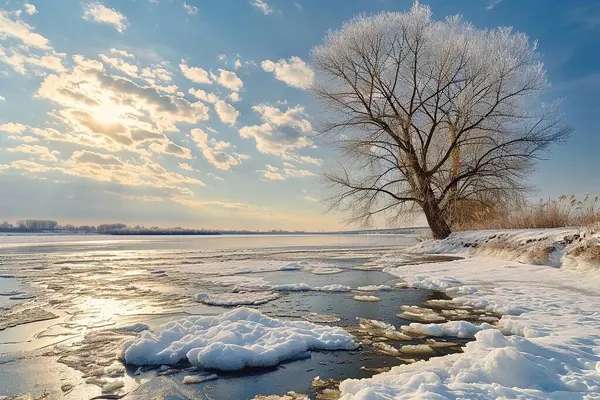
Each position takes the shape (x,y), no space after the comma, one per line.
(366,298)
(292,287)
(291,267)
(461,329)
(234,340)
(334,288)
(236,299)
(190,379)
(374,288)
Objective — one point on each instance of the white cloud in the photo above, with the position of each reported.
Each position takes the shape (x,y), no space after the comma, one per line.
(23,138)
(234,96)
(294,72)
(226,112)
(204,96)
(281,133)
(22,59)
(112,113)
(98,12)
(21,31)
(194,74)
(87,63)
(215,176)
(493,4)
(121,65)
(262,5)
(273,173)
(186,167)
(311,199)
(171,89)
(237,64)
(90,157)
(156,73)
(228,79)
(2,98)
(44,153)
(191,10)
(215,151)
(12,127)
(30,9)
(171,149)
(121,53)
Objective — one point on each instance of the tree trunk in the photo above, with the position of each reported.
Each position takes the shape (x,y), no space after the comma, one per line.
(435,219)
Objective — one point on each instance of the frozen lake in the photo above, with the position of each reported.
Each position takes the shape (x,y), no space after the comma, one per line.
(68,302)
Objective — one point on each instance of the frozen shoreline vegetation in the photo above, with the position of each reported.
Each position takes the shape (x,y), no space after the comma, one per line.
(547,344)
(573,248)
(234,340)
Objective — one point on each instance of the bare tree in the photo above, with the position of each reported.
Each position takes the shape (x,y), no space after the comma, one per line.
(428,114)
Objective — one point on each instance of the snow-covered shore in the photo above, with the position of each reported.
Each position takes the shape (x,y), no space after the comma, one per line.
(551,319)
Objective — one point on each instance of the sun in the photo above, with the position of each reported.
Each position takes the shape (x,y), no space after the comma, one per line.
(108,113)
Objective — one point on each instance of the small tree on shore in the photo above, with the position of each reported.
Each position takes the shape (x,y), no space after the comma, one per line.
(429,115)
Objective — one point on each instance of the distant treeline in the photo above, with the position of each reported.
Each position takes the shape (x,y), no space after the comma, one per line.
(42,226)
(48,226)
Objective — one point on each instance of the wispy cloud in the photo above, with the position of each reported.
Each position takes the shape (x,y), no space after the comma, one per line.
(263,6)
(493,4)
(190,9)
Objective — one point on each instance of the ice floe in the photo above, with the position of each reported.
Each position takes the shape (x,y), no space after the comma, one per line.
(374,288)
(236,299)
(234,340)
(460,329)
(365,298)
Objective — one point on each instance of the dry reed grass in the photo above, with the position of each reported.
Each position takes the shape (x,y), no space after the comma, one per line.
(564,211)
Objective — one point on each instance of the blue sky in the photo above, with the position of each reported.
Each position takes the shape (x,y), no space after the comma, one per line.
(173,113)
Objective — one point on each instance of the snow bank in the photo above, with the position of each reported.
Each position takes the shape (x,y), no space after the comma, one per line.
(551,315)
(232,341)
(493,366)
(573,248)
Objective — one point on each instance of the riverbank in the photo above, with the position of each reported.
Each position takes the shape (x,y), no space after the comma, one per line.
(544,282)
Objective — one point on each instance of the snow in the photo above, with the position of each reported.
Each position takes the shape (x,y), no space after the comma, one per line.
(334,288)
(573,248)
(304,287)
(292,287)
(460,329)
(324,270)
(190,379)
(547,343)
(234,340)
(374,288)
(236,299)
(366,298)
(292,267)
